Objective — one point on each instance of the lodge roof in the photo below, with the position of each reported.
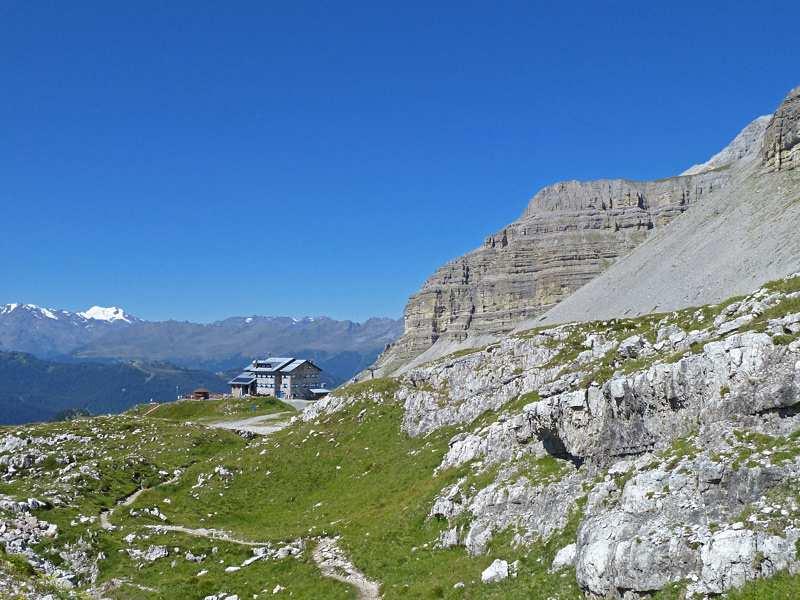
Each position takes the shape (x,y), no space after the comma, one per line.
(278,365)
(243,379)
(296,363)
(269,365)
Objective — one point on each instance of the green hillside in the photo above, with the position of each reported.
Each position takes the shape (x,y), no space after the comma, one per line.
(216,409)
(158,504)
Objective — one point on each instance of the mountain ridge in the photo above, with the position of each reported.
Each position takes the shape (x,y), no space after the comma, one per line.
(341,348)
(572,232)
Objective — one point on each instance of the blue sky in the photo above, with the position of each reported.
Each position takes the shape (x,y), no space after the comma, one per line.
(196,160)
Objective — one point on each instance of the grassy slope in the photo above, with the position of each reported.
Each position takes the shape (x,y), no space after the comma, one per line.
(130,456)
(377,500)
(213,410)
(352,474)
(363,480)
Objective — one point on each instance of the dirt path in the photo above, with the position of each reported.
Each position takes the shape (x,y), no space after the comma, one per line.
(153,409)
(329,558)
(333,563)
(105,522)
(261,425)
(211,534)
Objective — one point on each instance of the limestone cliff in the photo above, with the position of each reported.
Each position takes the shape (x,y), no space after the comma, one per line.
(726,245)
(781,149)
(570,233)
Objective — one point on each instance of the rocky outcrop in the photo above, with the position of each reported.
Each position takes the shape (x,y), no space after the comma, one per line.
(781,147)
(683,458)
(744,145)
(728,244)
(693,517)
(573,233)
(658,451)
(570,232)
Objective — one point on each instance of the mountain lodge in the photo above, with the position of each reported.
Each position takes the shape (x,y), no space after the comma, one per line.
(283,377)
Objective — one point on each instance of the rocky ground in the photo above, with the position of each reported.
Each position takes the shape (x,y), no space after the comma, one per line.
(648,457)
(675,436)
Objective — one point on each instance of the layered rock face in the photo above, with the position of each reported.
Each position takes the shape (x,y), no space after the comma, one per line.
(570,233)
(781,148)
(726,245)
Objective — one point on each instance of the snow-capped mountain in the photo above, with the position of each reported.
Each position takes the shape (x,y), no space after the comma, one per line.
(109,314)
(95,313)
(50,332)
(32,309)
(109,334)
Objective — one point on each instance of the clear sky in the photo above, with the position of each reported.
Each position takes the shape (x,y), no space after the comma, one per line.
(197,160)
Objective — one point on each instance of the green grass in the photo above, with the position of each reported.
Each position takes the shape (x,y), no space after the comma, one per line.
(213,410)
(750,443)
(570,347)
(300,577)
(784,339)
(361,479)
(511,407)
(463,352)
(384,386)
(782,586)
(136,453)
(349,474)
(680,449)
(543,470)
(784,286)
(377,498)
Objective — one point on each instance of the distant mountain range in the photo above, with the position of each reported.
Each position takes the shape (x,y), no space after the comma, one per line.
(208,352)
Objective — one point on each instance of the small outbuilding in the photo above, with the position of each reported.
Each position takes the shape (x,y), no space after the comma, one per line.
(201,394)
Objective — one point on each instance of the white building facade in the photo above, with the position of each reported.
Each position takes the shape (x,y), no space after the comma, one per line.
(282,377)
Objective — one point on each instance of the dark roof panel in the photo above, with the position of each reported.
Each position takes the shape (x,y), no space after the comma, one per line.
(243,379)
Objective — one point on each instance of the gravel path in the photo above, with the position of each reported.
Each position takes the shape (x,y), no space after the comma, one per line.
(329,558)
(263,424)
(333,563)
(211,534)
(105,523)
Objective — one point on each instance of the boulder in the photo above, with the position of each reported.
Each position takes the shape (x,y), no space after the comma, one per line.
(497,571)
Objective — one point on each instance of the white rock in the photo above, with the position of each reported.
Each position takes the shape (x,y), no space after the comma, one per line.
(497,571)
(564,558)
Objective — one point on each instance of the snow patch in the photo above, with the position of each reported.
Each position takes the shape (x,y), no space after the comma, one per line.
(37,311)
(48,313)
(8,308)
(103,313)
